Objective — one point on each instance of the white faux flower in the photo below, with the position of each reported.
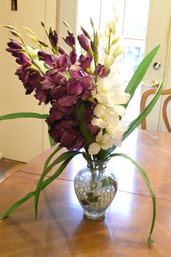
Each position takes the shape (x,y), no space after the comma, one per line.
(103,141)
(117,132)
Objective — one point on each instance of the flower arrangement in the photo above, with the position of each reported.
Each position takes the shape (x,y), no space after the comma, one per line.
(87,101)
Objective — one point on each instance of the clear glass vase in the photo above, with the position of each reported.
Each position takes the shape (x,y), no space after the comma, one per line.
(95,187)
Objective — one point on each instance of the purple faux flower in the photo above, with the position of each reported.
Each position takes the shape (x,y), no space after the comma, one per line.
(14,47)
(29,77)
(101,71)
(22,59)
(47,58)
(73,56)
(85,61)
(70,40)
(84,42)
(53,37)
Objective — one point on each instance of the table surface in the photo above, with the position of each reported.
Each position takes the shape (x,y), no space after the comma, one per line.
(61,230)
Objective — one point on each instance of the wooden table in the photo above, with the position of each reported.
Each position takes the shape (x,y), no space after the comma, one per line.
(61,229)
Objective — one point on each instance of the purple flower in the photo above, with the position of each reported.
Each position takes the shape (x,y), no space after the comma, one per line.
(76,71)
(53,37)
(85,61)
(70,40)
(63,62)
(89,108)
(84,42)
(74,87)
(47,58)
(22,59)
(61,50)
(29,77)
(67,134)
(64,127)
(80,87)
(87,85)
(67,101)
(73,56)
(14,47)
(101,71)
(55,76)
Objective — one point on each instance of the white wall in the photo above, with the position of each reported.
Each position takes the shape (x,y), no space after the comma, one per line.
(25,138)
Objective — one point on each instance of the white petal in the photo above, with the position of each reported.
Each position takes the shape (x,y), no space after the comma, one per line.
(94,148)
(99,137)
(120,110)
(98,122)
(100,111)
(105,138)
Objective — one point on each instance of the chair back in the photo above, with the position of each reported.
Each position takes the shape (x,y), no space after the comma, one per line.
(151,91)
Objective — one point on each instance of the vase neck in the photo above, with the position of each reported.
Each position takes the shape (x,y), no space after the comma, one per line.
(96,164)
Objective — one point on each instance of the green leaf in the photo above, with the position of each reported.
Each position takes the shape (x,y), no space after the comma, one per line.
(140,72)
(135,123)
(146,180)
(23,115)
(17,204)
(31,194)
(47,169)
(51,141)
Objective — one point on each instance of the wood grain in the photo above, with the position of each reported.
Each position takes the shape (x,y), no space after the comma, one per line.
(152,150)
(62,231)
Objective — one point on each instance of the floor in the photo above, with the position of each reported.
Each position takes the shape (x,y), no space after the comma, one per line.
(8,167)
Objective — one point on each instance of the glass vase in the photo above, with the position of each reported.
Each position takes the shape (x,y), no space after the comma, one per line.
(95,187)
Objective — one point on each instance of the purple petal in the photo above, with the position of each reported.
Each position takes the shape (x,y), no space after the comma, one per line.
(53,37)
(70,39)
(47,58)
(22,59)
(73,56)
(101,71)
(83,42)
(67,101)
(74,87)
(85,61)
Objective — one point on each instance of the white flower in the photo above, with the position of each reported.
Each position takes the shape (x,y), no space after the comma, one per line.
(98,122)
(103,141)
(117,132)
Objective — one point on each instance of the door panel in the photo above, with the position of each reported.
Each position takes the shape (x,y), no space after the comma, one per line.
(159,32)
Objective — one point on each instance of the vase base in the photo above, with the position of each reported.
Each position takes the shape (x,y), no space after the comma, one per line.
(94,215)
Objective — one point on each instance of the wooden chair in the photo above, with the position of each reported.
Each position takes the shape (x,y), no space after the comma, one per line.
(152,91)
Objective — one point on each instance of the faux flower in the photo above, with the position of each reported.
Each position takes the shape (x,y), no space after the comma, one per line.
(85,94)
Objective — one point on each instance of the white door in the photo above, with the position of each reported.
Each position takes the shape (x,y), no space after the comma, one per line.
(159,32)
(25,138)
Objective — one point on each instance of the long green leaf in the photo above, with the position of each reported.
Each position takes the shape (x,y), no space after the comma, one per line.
(23,115)
(135,123)
(51,141)
(17,204)
(47,169)
(31,194)
(140,72)
(146,180)
(51,156)
(27,115)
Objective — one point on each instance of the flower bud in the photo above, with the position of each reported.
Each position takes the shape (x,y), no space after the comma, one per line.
(84,42)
